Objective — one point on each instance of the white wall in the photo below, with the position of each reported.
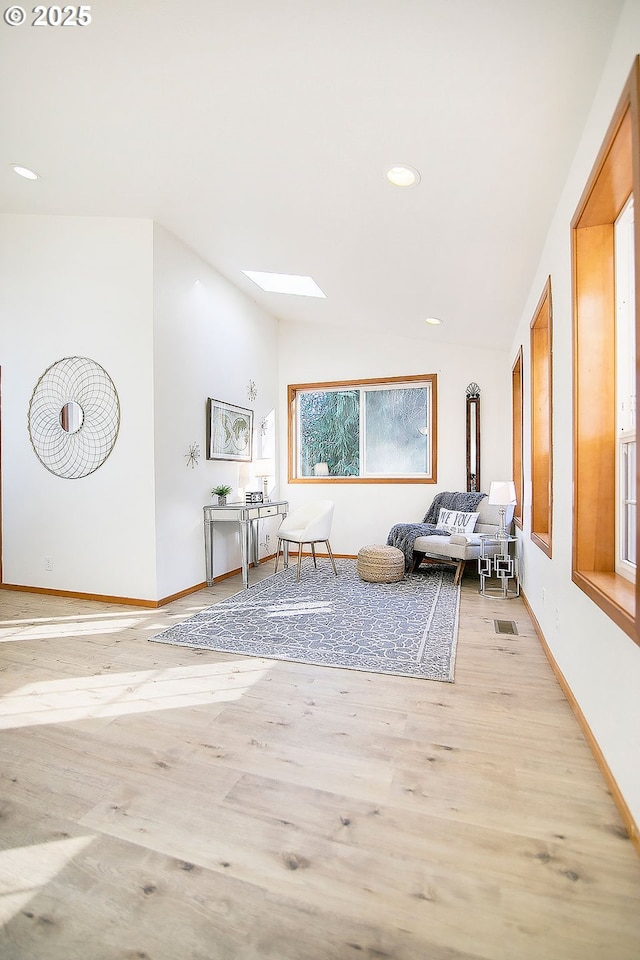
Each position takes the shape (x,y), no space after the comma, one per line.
(210,340)
(601,664)
(73,286)
(365,512)
(123,293)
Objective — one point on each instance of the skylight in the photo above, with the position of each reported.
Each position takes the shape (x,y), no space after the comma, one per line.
(285,283)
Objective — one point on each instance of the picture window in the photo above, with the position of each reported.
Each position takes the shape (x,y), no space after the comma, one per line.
(364,431)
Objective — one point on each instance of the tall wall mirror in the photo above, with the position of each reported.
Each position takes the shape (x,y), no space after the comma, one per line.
(473,437)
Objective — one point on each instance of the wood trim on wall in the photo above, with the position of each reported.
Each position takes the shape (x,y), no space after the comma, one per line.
(365,382)
(627,817)
(594,399)
(541,333)
(104,598)
(615,175)
(517,421)
(132,602)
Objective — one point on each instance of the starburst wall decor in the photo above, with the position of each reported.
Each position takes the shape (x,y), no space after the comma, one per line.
(193,455)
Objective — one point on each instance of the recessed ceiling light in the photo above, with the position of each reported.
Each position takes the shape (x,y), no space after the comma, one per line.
(401,175)
(285,283)
(24,172)
(433,320)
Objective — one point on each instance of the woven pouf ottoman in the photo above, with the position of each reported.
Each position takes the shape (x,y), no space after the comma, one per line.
(380,564)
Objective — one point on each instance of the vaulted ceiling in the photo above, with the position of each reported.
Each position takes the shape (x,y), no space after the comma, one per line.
(260,131)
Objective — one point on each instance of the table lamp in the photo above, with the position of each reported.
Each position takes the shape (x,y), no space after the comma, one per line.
(264,469)
(502,494)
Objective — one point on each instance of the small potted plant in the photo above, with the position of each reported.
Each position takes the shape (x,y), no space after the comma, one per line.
(221,492)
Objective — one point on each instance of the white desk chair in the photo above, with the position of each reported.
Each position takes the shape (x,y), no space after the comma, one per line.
(309,524)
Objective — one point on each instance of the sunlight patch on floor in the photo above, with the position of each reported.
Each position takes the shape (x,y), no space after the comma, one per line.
(76,617)
(24,870)
(65,628)
(298,610)
(113,694)
(288,608)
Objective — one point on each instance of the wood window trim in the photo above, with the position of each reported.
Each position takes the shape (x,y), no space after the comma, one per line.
(517,434)
(292,391)
(541,332)
(615,175)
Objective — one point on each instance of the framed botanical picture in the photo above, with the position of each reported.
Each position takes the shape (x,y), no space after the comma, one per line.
(229,431)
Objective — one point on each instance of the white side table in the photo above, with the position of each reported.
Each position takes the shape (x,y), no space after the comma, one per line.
(498,566)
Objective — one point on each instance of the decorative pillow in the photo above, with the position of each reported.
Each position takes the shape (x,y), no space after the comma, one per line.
(456,522)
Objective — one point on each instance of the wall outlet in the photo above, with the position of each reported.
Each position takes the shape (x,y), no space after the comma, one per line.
(48,564)
(544,596)
(267,538)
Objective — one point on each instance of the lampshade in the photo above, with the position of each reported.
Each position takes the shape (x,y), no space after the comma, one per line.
(502,492)
(263,468)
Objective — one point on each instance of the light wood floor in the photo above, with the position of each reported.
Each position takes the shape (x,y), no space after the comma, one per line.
(160,803)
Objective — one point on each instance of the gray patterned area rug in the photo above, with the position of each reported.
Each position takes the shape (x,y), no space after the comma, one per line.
(408,628)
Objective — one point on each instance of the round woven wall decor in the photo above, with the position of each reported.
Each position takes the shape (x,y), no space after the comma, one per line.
(74,417)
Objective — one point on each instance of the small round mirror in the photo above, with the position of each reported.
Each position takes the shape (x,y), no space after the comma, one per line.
(71,417)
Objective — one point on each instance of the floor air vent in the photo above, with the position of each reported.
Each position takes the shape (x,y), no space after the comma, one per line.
(506,626)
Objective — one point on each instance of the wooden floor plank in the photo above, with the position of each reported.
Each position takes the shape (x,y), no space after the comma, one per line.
(159,802)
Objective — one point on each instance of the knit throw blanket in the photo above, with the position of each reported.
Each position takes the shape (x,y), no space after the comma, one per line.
(403,535)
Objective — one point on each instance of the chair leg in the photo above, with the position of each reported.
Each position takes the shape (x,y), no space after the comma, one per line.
(277,555)
(299,560)
(333,563)
(313,553)
(459,572)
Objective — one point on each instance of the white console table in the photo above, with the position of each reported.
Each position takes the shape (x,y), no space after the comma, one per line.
(247,515)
